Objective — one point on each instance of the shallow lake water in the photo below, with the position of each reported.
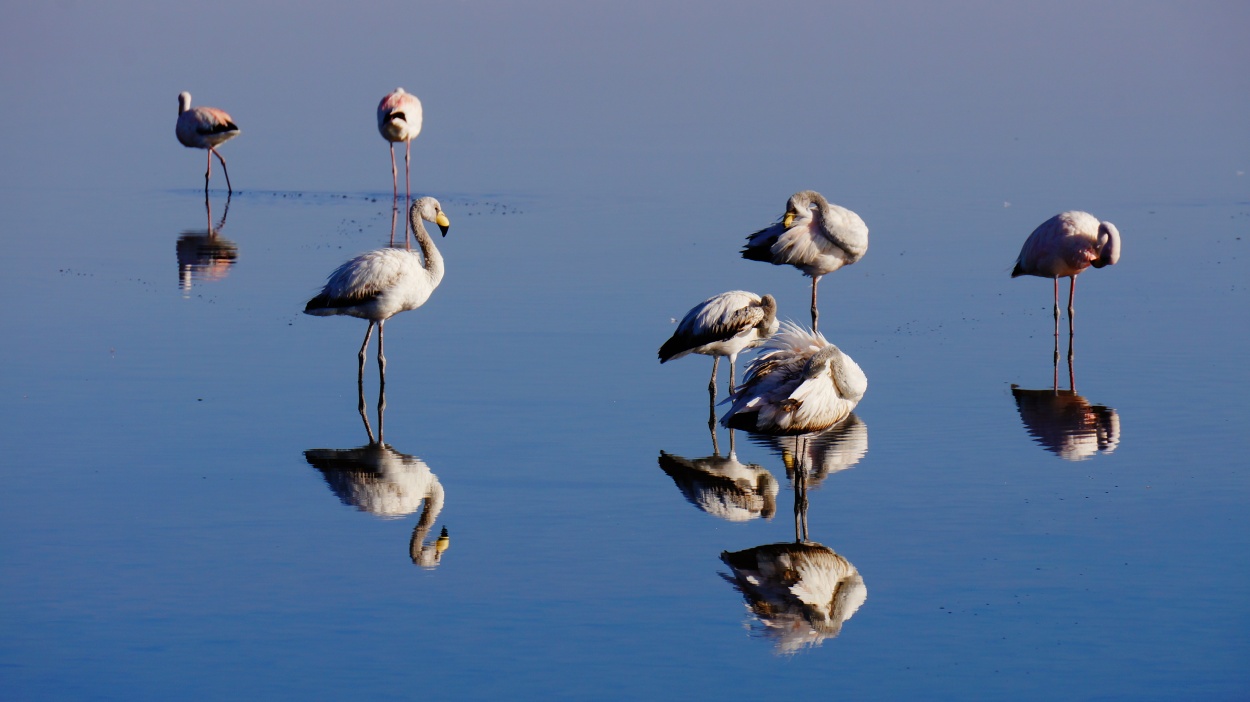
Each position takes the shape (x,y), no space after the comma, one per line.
(194,510)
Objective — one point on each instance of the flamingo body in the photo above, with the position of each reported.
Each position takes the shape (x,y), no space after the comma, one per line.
(380,284)
(814,235)
(399,120)
(723,325)
(205,128)
(1063,247)
(799,383)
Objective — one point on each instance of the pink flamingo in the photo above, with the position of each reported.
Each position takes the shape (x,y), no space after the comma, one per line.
(399,119)
(205,128)
(1064,246)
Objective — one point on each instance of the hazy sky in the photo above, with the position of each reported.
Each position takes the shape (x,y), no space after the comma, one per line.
(553,96)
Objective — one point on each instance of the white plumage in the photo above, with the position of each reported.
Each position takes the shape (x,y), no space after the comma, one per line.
(813,235)
(723,325)
(379,284)
(799,383)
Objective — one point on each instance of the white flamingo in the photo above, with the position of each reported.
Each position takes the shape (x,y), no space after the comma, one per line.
(380,284)
(799,383)
(1064,246)
(723,325)
(814,235)
(399,119)
(205,128)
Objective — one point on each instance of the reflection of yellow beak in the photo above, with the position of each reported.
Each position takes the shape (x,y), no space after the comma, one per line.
(788,220)
(788,459)
(443,542)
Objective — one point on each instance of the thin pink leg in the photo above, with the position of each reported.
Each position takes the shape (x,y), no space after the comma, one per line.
(394,174)
(229,190)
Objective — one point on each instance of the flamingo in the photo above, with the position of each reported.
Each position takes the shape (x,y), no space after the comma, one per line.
(723,325)
(815,236)
(399,119)
(379,284)
(800,383)
(205,128)
(1064,246)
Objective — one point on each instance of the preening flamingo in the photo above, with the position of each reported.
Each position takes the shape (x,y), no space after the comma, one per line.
(723,325)
(1064,246)
(799,383)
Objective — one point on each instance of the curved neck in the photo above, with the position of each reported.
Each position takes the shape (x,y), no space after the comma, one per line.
(432,260)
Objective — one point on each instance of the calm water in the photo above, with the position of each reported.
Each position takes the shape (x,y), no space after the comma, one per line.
(192,508)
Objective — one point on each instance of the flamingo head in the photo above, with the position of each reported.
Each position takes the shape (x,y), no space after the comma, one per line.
(1108,245)
(184,101)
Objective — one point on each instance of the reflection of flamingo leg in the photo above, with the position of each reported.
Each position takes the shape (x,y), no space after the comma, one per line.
(360,406)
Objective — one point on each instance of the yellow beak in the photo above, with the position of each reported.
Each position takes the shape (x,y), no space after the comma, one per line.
(442,220)
(788,220)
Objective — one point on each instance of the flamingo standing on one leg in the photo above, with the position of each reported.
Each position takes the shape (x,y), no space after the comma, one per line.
(399,119)
(205,128)
(815,236)
(1064,246)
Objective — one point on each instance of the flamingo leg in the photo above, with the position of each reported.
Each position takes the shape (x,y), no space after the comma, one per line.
(1056,309)
(394,217)
(360,407)
(1071,306)
(360,375)
(381,357)
(229,190)
(815,312)
(394,174)
(381,393)
(711,395)
(407,187)
(407,178)
(208,172)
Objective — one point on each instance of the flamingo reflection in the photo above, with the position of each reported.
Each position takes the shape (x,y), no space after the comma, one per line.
(205,255)
(377,479)
(823,453)
(723,486)
(1065,423)
(799,593)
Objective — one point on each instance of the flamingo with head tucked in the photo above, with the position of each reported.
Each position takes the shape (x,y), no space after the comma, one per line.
(1064,246)
(814,235)
(205,128)
(399,120)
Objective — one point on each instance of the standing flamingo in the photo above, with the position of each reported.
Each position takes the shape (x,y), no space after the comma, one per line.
(814,235)
(1065,245)
(379,284)
(723,325)
(205,128)
(399,119)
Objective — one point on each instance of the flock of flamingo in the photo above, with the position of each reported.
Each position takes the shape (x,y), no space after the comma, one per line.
(798,383)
